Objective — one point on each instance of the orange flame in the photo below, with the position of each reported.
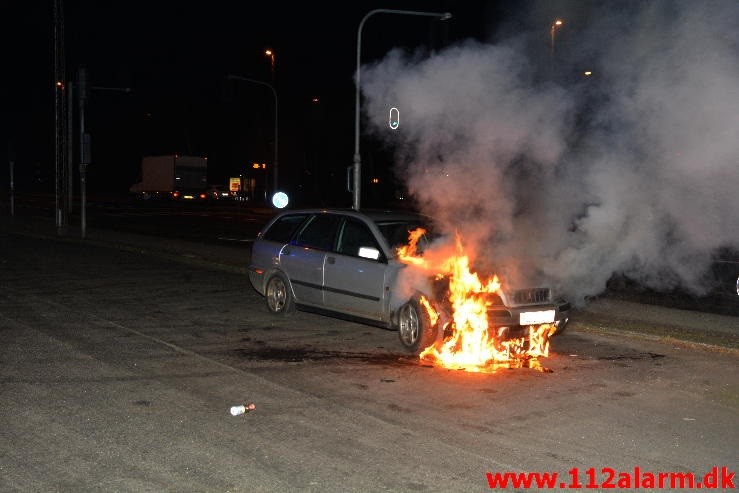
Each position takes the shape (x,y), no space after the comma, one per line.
(433,316)
(471,344)
(408,252)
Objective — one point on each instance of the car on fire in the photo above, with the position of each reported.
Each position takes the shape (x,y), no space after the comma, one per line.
(345,263)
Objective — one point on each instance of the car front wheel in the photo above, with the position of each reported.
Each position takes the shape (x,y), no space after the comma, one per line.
(414,327)
(279,298)
(561,326)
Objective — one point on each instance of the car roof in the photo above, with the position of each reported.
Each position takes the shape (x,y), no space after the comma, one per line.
(375,215)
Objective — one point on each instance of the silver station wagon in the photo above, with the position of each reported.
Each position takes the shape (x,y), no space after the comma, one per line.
(344,263)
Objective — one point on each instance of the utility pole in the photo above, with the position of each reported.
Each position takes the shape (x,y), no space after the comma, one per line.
(60,136)
(84,148)
(69,88)
(356,168)
(85,143)
(11,163)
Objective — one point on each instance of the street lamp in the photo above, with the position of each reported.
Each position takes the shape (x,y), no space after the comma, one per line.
(357,178)
(557,23)
(274,93)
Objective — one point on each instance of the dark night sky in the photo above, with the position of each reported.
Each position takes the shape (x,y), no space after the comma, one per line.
(175,59)
(614,149)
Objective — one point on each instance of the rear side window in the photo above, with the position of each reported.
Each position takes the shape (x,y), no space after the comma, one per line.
(319,232)
(282,229)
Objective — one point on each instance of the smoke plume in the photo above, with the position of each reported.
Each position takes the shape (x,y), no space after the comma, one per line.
(553,176)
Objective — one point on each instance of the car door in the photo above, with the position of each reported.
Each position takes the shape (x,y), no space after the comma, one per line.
(303,258)
(355,273)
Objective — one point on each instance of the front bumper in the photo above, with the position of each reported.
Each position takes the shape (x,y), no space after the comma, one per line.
(256,278)
(528,314)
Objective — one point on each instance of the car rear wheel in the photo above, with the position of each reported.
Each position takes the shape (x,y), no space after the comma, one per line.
(278,295)
(414,327)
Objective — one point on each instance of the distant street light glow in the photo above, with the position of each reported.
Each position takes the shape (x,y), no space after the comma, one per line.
(557,23)
(271,55)
(280,200)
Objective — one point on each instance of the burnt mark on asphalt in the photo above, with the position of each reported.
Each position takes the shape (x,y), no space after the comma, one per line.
(580,351)
(299,355)
(632,357)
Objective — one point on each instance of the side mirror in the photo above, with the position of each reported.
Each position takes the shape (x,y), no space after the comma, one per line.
(369,252)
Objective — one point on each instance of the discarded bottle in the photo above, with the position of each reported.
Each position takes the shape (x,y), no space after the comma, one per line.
(242,409)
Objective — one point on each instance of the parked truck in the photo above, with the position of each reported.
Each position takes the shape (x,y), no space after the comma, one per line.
(173,177)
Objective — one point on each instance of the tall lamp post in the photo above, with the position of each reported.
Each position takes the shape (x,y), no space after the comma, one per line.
(357,176)
(274,93)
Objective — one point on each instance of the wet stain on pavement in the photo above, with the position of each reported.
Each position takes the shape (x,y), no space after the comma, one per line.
(397,408)
(296,355)
(632,357)
(622,393)
(488,391)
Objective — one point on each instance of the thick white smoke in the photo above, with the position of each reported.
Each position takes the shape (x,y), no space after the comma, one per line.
(633,170)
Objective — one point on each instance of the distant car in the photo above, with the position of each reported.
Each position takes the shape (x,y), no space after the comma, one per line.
(214,192)
(344,263)
(189,195)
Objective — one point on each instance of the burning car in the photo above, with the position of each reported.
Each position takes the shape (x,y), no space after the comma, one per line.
(472,323)
(356,265)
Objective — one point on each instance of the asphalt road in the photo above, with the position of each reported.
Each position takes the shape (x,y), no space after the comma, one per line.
(120,366)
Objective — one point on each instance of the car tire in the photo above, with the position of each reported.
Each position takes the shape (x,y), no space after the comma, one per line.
(561,326)
(414,327)
(279,296)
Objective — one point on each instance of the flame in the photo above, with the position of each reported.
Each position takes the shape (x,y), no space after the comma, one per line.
(469,342)
(433,316)
(408,252)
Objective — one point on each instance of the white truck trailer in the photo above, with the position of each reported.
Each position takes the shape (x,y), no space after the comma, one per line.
(173,177)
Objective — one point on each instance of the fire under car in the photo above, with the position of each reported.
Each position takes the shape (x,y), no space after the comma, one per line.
(346,264)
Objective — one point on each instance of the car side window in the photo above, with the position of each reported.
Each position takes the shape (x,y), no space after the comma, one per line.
(355,238)
(282,229)
(319,232)
(397,233)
